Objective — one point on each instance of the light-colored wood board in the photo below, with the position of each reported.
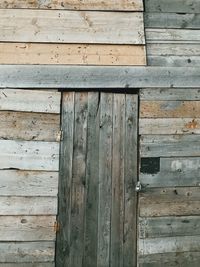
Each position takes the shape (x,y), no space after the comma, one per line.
(172,20)
(30,100)
(38,264)
(29,126)
(169,94)
(169,244)
(72,54)
(29,155)
(169,226)
(174,61)
(69,77)
(28,206)
(20,252)
(122,5)
(169,126)
(170,146)
(28,183)
(27,228)
(55,26)
(174,172)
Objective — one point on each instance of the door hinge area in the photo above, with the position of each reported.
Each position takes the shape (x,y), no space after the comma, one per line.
(59,136)
(56,227)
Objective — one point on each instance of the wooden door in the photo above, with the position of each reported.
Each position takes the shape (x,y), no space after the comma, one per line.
(98,173)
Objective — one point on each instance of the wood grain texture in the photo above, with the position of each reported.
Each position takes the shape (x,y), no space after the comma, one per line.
(174,61)
(71,27)
(123,5)
(29,126)
(27,228)
(28,183)
(30,100)
(72,54)
(69,77)
(167,49)
(38,264)
(29,155)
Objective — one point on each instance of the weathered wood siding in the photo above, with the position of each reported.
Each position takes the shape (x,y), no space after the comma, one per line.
(29,161)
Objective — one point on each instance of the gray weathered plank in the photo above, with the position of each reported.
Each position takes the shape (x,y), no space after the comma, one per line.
(97,77)
(29,155)
(105,175)
(27,228)
(57,26)
(28,264)
(29,126)
(170,146)
(169,226)
(174,172)
(174,61)
(28,183)
(30,100)
(20,252)
(28,205)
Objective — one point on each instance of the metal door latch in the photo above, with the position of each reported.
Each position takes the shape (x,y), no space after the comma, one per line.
(138,187)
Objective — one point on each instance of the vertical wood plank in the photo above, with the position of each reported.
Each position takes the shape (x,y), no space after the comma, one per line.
(92,181)
(105,173)
(117,181)
(63,237)
(130,216)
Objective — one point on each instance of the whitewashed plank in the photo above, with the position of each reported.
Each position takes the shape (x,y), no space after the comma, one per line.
(71,27)
(29,155)
(68,77)
(28,183)
(30,100)
(26,252)
(167,49)
(27,228)
(123,5)
(28,205)
(174,61)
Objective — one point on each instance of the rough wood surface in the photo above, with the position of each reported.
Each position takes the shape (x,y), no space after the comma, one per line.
(29,155)
(29,126)
(71,27)
(72,54)
(167,49)
(123,5)
(38,264)
(69,77)
(174,61)
(27,228)
(30,100)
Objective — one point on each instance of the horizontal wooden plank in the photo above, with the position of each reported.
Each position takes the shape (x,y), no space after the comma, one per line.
(183,259)
(169,226)
(69,77)
(38,264)
(30,100)
(27,228)
(72,54)
(29,126)
(54,26)
(173,172)
(172,20)
(123,5)
(174,61)
(182,6)
(26,252)
(170,146)
(169,126)
(28,183)
(167,94)
(29,155)
(28,205)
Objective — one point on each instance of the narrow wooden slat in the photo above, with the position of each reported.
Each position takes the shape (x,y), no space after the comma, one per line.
(30,100)
(170,146)
(28,205)
(169,226)
(130,174)
(28,183)
(38,264)
(29,126)
(71,27)
(29,155)
(124,5)
(174,61)
(72,54)
(105,174)
(20,252)
(118,153)
(64,198)
(27,228)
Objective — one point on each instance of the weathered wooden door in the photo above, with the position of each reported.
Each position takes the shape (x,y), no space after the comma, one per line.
(98,173)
